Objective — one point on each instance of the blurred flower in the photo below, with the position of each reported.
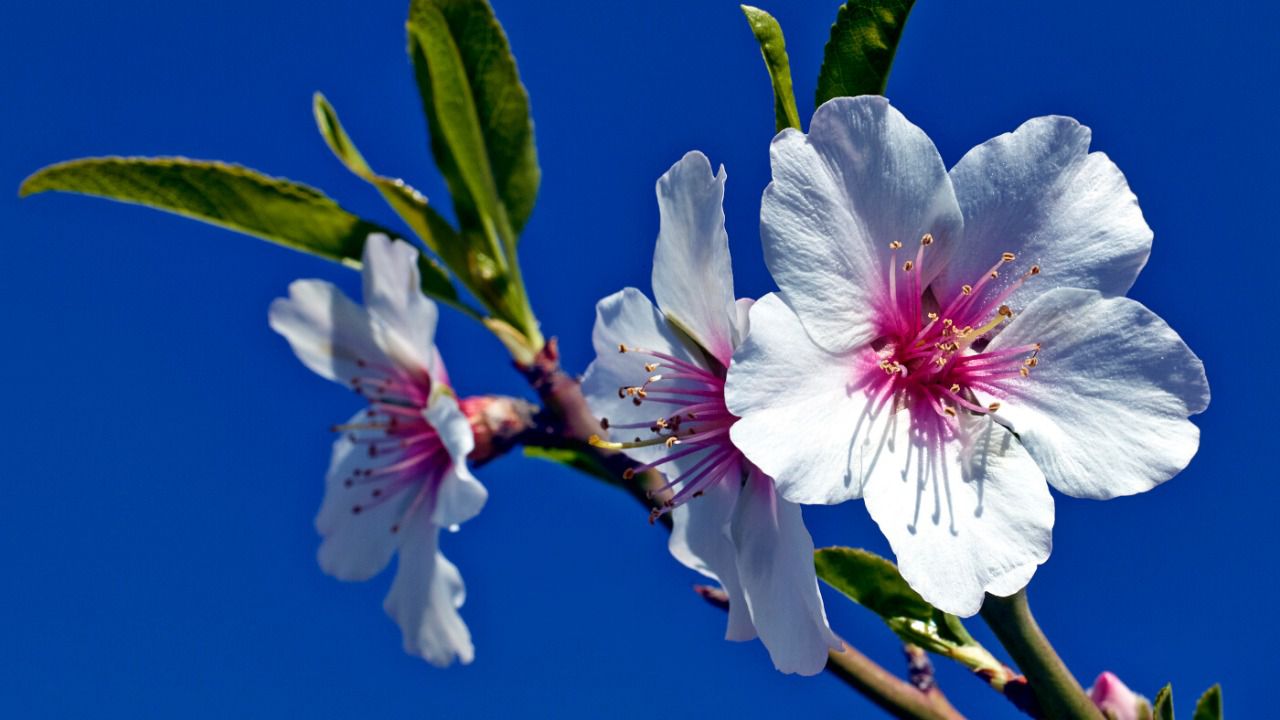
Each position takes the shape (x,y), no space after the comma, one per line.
(1116,700)
(658,379)
(398,471)
(944,343)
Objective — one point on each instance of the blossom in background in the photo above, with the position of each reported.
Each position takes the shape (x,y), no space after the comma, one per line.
(1116,700)
(943,343)
(658,382)
(398,472)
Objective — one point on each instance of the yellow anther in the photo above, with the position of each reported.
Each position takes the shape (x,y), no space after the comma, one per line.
(906,266)
(1032,362)
(955,387)
(932,316)
(1035,270)
(940,361)
(895,245)
(994,274)
(650,367)
(1023,371)
(1007,257)
(672,442)
(993,407)
(927,239)
(966,289)
(622,348)
(949,410)
(1005,311)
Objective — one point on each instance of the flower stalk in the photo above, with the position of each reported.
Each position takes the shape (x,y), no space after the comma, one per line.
(1060,695)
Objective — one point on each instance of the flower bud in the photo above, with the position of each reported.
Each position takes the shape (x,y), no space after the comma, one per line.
(1116,700)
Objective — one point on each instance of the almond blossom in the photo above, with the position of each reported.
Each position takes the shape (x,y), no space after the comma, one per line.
(945,343)
(398,471)
(658,382)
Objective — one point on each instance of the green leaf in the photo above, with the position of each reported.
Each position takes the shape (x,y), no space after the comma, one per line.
(578,459)
(230,196)
(233,197)
(434,231)
(1164,703)
(876,584)
(860,52)
(774,49)
(871,581)
(406,201)
(1210,705)
(477,112)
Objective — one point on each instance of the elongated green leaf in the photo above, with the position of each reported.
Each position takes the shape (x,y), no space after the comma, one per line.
(1164,703)
(871,581)
(580,460)
(230,196)
(434,231)
(860,51)
(477,111)
(876,584)
(406,201)
(1210,705)
(774,49)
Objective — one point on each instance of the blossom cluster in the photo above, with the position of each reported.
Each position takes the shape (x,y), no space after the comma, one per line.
(945,345)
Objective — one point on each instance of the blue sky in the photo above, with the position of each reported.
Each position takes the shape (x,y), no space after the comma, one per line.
(165,452)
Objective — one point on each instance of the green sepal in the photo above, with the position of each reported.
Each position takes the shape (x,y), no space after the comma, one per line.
(774,49)
(1164,703)
(1209,707)
(859,53)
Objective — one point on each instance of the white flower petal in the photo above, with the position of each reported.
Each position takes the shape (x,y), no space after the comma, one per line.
(775,566)
(627,317)
(1105,411)
(356,545)
(692,273)
(1038,192)
(425,597)
(327,331)
(973,518)
(700,541)
(460,496)
(742,320)
(862,178)
(393,295)
(800,421)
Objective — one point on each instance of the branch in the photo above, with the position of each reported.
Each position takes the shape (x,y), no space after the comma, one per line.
(1059,693)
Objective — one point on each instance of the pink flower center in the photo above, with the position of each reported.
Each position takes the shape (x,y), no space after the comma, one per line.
(694,420)
(930,356)
(405,454)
